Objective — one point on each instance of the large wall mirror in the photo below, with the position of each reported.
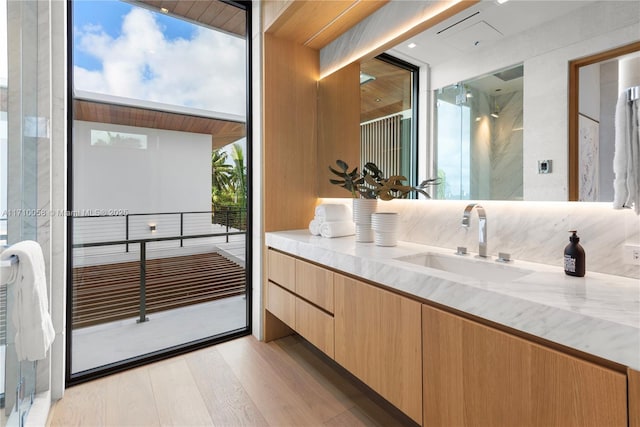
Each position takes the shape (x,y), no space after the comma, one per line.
(536,38)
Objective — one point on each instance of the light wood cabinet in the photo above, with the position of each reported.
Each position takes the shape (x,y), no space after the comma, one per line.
(378,339)
(282,270)
(475,375)
(634,397)
(308,308)
(315,284)
(315,326)
(281,304)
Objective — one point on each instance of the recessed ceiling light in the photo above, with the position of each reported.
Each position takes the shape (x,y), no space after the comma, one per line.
(411,45)
(501,1)
(164,10)
(378,99)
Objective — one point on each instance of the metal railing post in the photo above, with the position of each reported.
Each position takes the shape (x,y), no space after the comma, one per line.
(126,232)
(143,283)
(181,228)
(227,222)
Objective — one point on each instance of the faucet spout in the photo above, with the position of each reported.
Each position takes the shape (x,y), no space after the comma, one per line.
(482,226)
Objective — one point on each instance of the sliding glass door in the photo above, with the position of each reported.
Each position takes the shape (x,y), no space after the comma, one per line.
(159,193)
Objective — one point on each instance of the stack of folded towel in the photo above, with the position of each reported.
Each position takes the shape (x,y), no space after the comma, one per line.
(332,220)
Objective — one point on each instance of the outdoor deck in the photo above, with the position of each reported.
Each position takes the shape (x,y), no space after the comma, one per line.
(105,293)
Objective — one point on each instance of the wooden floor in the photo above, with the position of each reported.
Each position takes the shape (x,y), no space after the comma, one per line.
(105,293)
(239,383)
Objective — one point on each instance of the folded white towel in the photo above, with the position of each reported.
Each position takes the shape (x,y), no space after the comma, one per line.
(333,212)
(337,229)
(626,160)
(314,227)
(34,329)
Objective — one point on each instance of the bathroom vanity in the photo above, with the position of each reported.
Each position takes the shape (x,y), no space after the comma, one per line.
(522,345)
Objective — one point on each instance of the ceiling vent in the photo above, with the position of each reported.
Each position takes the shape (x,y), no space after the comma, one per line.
(510,74)
(473,37)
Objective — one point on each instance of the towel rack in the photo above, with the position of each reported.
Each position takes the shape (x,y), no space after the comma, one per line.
(633,93)
(10,264)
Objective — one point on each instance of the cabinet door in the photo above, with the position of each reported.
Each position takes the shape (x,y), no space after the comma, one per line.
(281,304)
(378,339)
(315,326)
(634,397)
(475,375)
(315,284)
(282,270)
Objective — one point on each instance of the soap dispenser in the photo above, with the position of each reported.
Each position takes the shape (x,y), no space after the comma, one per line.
(574,260)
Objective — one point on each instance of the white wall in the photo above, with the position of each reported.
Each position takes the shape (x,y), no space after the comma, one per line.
(172,174)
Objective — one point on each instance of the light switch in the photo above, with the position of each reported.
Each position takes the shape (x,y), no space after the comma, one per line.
(544,166)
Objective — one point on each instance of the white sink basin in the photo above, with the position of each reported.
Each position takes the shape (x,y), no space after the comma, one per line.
(468,266)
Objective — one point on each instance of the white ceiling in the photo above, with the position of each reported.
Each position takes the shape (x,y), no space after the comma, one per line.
(482,25)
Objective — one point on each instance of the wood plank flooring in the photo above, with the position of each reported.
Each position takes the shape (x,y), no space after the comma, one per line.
(238,383)
(104,293)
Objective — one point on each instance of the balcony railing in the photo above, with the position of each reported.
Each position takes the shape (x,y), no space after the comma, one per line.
(233,220)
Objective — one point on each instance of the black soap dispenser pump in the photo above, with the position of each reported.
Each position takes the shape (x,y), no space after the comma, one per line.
(574,259)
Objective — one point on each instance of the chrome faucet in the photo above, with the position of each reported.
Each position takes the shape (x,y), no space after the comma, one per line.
(482,226)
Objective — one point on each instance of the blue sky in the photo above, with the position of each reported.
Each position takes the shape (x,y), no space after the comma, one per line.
(129,51)
(109,15)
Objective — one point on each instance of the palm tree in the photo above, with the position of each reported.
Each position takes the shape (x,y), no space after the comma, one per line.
(221,171)
(238,173)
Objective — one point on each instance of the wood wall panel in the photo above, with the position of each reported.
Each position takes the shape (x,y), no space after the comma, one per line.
(290,134)
(338,126)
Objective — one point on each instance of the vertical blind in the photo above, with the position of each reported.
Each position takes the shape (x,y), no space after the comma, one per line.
(380,143)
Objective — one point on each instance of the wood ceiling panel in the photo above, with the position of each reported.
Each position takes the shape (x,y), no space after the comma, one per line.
(317,23)
(211,13)
(222,132)
(392,87)
(351,17)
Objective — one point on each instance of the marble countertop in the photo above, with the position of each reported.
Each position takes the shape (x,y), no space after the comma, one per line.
(598,314)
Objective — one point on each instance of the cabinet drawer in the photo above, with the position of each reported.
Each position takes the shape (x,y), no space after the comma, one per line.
(281,304)
(282,270)
(315,284)
(315,326)
(530,385)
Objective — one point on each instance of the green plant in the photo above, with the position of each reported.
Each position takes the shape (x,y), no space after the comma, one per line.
(371,183)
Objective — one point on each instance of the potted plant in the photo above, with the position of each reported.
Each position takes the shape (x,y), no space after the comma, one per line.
(367,187)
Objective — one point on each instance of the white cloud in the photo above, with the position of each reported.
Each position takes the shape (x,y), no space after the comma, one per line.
(207,71)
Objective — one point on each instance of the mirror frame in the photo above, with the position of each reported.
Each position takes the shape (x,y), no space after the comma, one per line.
(574,85)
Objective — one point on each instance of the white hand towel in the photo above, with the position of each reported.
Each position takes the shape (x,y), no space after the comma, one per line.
(314,227)
(626,160)
(337,229)
(34,329)
(620,157)
(333,212)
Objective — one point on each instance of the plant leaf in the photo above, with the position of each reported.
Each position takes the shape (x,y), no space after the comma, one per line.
(342,165)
